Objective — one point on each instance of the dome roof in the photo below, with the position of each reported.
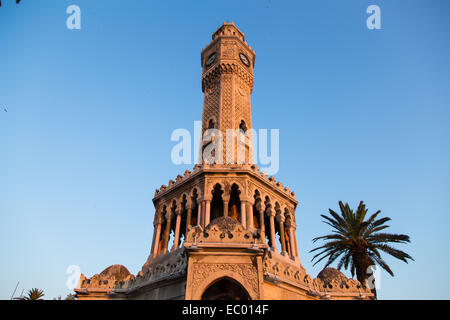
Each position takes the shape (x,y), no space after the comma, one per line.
(116,271)
(330,274)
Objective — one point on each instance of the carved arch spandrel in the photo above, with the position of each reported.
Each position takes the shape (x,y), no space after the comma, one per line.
(226,184)
(205,274)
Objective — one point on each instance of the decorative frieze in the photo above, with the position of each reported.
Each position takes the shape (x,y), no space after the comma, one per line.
(247,273)
(170,266)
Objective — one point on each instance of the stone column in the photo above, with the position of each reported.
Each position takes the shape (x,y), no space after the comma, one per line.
(243,215)
(207,211)
(202,215)
(288,242)
(167,231)
(272,232)
(226,200)
(295,242)
(249,212)
(189,216)
(262,225)
(177,230)
(155,226)
(291,238)
(199,212)
(282,237)
(157,237)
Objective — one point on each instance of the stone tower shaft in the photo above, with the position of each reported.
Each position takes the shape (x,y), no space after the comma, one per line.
(227,84)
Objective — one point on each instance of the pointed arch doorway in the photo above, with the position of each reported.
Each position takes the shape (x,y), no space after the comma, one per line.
(225,289)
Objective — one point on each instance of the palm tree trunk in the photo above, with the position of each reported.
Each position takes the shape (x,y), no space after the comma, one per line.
(362,264)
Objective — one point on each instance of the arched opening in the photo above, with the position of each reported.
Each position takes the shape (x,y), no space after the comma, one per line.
(163,228)
(243,126)
(211,124)
(225,289)
(278,221)
(267,213)
(243,151)
(287,226)
(194,207)
(216,203)
(208,138)
(183,221)
(171,231)
(234,207)
(256,206)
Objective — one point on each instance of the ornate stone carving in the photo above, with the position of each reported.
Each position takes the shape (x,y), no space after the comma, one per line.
(328,283)
(107,279)
(172,265)
(246,273)
(223,230)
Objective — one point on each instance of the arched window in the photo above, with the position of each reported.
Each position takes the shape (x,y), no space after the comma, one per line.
(256,206)
(287,225)
(194,207)
(216,203)
(162,234)
(209,135)
(225,289)
(278,215)
(267,212)
(170,237)
(183,220)
(243,126)
(234,207)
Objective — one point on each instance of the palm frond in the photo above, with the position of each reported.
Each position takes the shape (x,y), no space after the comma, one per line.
(357,241)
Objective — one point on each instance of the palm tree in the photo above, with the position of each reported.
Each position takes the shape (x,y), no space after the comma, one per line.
(71,296)
(33,294)
(359,242)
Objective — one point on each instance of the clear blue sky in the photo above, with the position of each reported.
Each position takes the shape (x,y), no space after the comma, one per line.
(363,115)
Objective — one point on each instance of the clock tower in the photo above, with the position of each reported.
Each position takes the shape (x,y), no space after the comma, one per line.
(224,230)
(227,84)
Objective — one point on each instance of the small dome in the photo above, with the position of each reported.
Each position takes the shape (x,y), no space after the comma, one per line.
(330,274)
(116,271)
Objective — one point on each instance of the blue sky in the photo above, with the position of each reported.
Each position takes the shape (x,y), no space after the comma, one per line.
(363,115)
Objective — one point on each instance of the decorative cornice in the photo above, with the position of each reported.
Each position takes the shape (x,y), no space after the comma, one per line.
(280,269)
(251,169)
(227,68)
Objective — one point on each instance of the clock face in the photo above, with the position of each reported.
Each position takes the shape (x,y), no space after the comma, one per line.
(244,59)
(211,59)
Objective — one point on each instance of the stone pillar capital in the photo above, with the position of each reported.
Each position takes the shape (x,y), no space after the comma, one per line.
(243,198)
(291,225)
